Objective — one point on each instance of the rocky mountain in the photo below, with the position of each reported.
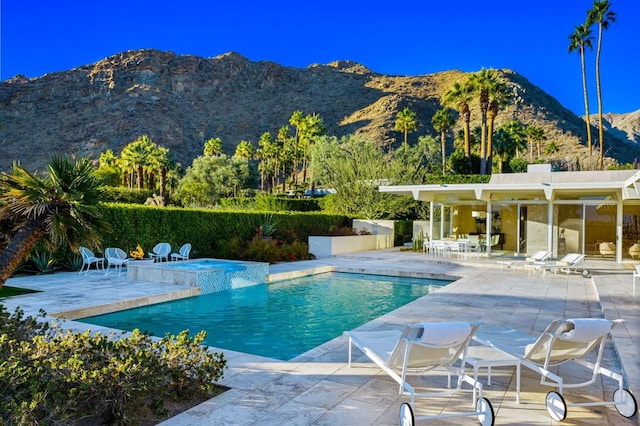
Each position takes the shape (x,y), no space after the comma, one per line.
(181,101)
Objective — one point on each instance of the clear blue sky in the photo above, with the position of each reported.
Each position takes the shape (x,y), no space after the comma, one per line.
(409,37)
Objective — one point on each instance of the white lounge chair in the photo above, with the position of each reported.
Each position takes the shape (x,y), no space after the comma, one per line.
(88,259)
(423,347)
(537,257)
(117,258)
(160,251)
(183,253)
(570,340)
(570,263)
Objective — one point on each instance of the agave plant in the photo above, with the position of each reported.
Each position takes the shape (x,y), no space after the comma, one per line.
(44,261)
(73,263)
(268,226)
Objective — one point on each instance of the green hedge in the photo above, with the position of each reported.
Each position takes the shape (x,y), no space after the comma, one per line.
(206,230)
(452,179)
(271,204)
(121,194)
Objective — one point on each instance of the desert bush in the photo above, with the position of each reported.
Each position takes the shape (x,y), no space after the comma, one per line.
(121,194)
(269,250)
(48,376)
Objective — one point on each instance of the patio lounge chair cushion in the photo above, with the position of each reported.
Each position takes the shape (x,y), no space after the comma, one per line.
(585,329)
(445,333)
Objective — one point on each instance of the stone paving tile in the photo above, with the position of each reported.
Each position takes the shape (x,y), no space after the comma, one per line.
(292,414)
(318,387)
(326,394)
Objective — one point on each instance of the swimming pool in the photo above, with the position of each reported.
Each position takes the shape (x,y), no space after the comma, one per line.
(280,320)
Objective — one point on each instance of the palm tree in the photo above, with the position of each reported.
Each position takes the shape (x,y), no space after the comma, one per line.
(498,98)
(160,161)
(136,156)
(311,128)
(284,152)
(296,120)
(601,15)
(442,121)
(459,96)
(213,147)
(406,123)
(245,150)
(268,159)
(579,40)
(534,135)
(518,133)
(59,205)
(482,82)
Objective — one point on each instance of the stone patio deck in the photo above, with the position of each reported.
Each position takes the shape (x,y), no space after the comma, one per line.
(318,387)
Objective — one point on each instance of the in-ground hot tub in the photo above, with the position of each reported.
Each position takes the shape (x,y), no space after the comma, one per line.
(211,275)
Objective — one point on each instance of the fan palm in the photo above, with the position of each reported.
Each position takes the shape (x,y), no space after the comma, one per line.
(601,15)
(459,96)
(442,121)
(160,161)
(534,135)
(579,40)
(498,98)
(406,123)
(136,156)
(59,205)
(482,82)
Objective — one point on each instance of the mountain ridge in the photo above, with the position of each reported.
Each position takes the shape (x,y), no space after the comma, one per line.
(183,100)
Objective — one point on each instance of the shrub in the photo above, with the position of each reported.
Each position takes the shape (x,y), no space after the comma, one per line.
(52,377)
(121,194)
(266,250)
(44,261)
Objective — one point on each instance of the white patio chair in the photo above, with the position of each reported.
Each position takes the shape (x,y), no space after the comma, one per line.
(421,348)
(636,274)
(183,253)
(160,251)
(537,258)
(88,259)
(570,263)
(117,258)
(439,248)
(571,340)
(455,248)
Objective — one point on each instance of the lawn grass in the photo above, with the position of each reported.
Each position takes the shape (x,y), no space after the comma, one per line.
(7,291)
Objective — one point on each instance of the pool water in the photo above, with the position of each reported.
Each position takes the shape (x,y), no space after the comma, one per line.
(206,264)
(279,320)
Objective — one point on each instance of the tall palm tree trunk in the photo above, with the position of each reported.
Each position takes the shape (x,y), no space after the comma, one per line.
(140,177)
(489,153)
(19,248)
(599,92)
(466,115)
(483,144)
(443,143)
(586,107)
(163,185)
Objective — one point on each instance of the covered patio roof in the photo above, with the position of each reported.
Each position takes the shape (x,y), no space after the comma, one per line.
(533,185)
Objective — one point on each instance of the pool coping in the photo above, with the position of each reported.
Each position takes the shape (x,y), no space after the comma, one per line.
(122,305)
